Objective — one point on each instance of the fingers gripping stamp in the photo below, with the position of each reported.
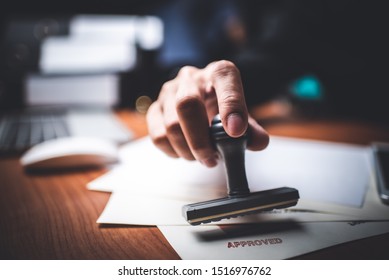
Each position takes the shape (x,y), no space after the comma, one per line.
(240,201)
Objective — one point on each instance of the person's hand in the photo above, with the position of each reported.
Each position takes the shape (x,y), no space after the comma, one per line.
(178,121)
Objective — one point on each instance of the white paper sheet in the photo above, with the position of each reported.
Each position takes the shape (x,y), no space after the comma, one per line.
(150,189)
(321,171)
(157,186)
(264,241)
(146,170)
(126,208)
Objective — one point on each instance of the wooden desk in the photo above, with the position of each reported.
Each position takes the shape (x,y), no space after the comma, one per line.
(52,216)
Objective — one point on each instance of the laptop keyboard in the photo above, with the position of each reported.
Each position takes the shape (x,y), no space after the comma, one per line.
(20,132)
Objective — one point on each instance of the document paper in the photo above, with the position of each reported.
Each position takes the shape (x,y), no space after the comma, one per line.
(332,180)
(264,241)
(335,183)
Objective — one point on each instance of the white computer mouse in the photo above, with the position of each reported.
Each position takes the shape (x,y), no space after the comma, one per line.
(70,153)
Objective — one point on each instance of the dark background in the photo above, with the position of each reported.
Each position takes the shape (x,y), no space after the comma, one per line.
(343,43)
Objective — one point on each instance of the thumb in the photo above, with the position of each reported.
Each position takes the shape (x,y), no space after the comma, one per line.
(227,84)
(235,125)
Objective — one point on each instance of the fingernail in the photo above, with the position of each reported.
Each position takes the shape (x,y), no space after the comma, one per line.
(209,162)
(235,124)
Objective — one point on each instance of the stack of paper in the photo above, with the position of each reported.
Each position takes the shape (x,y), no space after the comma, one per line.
(334,182)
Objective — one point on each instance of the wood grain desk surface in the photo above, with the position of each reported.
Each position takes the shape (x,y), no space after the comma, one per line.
(53,216)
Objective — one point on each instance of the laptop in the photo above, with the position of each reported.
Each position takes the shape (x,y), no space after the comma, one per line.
(63,106)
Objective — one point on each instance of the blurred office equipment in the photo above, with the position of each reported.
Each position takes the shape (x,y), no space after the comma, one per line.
(70,153)
(340,46)
(63,106)
(100,43)
(82,65)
